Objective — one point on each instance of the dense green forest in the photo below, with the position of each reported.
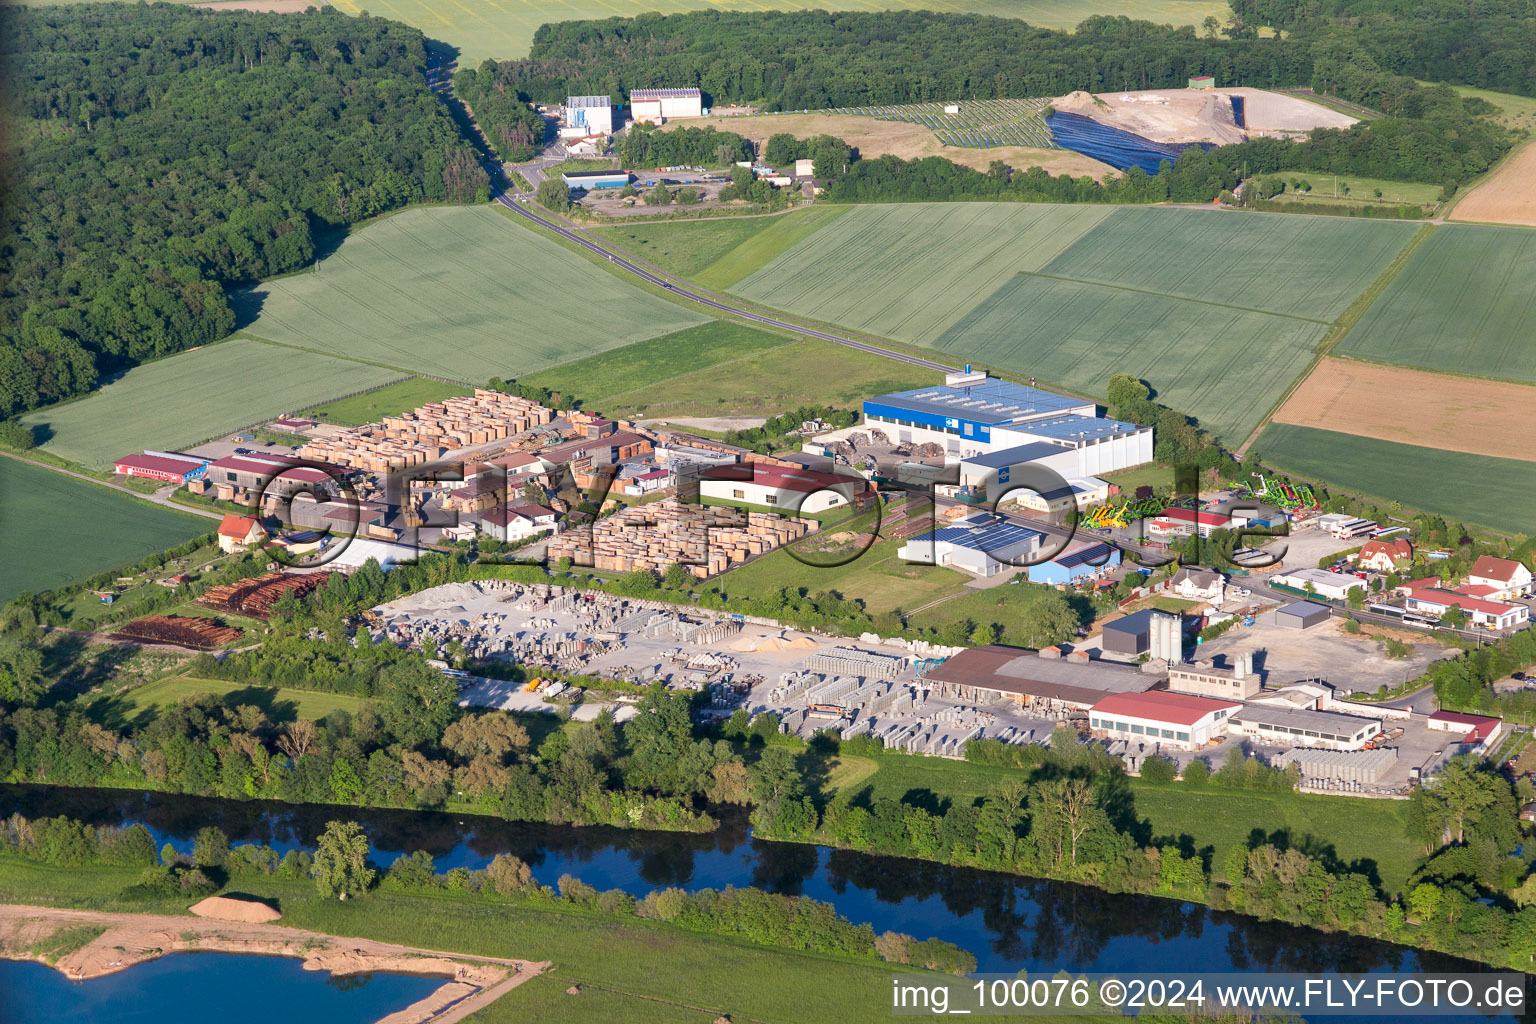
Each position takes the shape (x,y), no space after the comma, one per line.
(514,128)
(160,153)
(1364,50)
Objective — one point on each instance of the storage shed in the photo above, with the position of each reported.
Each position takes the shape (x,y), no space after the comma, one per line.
(1302,615)
(1132,634)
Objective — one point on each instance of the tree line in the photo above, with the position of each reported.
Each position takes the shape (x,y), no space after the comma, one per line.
(164,153)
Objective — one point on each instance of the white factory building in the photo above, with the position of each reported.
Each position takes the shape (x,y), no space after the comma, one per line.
(994,428)
(1335,586)
(658,105)
(772,486)
(979,543)
(588,115)
(1176,720)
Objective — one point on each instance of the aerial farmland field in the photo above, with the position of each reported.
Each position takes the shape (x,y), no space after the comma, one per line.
(193,396)
(1476,489)
(1221,364)
(908,271)
(1465,302)
(502,30)
(58,530)
(717,252)
(457,292)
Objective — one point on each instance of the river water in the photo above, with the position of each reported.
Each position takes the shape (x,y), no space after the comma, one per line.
(1008,922)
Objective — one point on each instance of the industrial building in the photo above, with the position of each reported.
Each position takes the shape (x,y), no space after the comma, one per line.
(1133,634)
(167,466)
(1475,730)
(1335,586)
(1040,681)
(1171,719)
(772,486)
(588,115)
(1273,723)
(994,428)
(595,179)
(1337,524)
(1077,563)
(1205,679)
(980,543)
(1302,615)
(245,478)
(658,105)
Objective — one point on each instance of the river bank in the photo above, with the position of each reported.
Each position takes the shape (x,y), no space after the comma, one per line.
(127,939)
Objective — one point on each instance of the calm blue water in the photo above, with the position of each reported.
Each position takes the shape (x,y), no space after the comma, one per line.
(1007,921)
(227,987)
(1122,150)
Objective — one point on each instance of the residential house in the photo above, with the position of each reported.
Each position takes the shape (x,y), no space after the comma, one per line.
(1385,555)
(238,532)
(1507,578)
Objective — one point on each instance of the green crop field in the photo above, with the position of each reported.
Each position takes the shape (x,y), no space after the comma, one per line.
(720,251)
(502,30)
(1465,302)
(280,703)
(909,271)
(601,380)
(389,400)
(458,292)
(55,529)
(1224,366)
(791,375)
(1476,489)
(1311,267)
(194,396)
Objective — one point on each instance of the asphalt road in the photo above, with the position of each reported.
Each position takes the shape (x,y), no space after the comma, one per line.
(515,204)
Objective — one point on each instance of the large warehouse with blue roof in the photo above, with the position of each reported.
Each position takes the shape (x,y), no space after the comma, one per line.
(995,429)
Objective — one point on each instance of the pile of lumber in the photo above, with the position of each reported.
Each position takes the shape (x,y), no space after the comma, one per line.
(706,540)
(427,433)
(181,630)
(256,596)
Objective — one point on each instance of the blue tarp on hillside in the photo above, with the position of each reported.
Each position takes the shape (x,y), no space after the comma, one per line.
(1122,150)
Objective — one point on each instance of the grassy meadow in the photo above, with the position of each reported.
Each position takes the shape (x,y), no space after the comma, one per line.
(1350,190)
(1476,489)
(1465,302)
(910,270)
(735,371)
(719,252)
(877,577)
(56,530)
(193,396)
(457,292)
(389,400)
(280,703)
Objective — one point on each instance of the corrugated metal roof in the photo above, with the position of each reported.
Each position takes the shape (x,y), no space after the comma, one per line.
(663,94)
(579,102)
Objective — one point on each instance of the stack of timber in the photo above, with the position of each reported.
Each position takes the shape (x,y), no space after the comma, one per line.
(419,437)
(180,630)
(255,597)
(706,540)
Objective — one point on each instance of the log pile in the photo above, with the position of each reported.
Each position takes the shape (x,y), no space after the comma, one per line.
(255,597)
(418,437)
(181,630)
(706,540)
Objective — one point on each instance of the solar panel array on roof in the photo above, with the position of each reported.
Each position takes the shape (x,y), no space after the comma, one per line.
(981,533)
(662,94)
(579,102)
(992,401)
(1079,428)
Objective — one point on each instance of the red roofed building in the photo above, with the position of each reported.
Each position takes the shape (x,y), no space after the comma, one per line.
(1482,612)
(1184,520)
(265,475)
(1508,578)
(788,487)
(1172,719)
(170,468)
(1479,729)
(236,532)
(517,522)
(1384,555)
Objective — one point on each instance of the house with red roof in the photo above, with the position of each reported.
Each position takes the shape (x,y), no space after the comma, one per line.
(1506,578)
(238,532)
(517,522)
(1476,730)
(1177,720)
(1481,611)
(1385,555)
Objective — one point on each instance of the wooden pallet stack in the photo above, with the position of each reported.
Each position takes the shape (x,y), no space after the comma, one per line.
(430,431)
(707,540)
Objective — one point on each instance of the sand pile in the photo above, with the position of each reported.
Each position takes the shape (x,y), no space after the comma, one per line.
(225,908)
(1170,115)
(803,643)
